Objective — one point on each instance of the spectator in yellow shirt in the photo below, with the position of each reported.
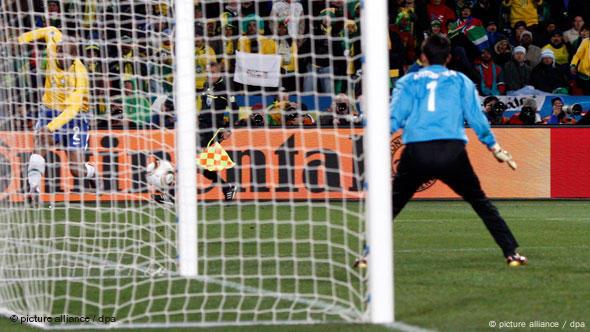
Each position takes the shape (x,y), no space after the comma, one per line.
(253,40)
(523,10)
(558,47)
(580,65)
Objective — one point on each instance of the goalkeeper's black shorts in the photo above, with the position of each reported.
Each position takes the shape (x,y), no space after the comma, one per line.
(447,161)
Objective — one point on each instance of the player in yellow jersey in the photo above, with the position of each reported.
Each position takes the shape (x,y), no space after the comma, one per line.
(61,114)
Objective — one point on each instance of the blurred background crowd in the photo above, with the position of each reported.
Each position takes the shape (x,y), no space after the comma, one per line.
(506,47)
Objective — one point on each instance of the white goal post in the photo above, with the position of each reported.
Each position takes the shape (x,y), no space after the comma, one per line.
(102,242)
(378,159)
(186,129)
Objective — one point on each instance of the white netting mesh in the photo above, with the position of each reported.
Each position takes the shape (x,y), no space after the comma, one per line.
(281,251)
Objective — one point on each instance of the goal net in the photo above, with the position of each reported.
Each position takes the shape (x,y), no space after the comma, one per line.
(90,201)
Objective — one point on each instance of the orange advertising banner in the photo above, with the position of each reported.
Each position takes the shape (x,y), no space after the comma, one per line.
(290,164)
(120,157)
(530,148)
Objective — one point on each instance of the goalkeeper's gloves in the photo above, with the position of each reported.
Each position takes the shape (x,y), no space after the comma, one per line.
(503,156)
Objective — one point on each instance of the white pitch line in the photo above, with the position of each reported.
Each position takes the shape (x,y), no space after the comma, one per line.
(483,249)
(449,219)
(343,312)
(401,326)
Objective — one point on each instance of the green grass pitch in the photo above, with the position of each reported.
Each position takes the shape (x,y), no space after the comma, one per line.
(450,275)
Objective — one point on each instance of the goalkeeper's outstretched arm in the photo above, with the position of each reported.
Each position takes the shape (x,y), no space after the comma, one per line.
(477,120)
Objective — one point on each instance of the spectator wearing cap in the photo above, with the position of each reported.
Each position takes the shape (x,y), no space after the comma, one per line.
(517,73)
(491,82)
(502,51)
(435,27)
(437,10)
(580,65)
(213,35)
(204,54)
(523,11)
(533,52)
(545,76)
(572,35)
(492,32)
(558,47)
(253,39)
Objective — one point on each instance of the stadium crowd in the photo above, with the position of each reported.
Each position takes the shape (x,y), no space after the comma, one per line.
(506,47)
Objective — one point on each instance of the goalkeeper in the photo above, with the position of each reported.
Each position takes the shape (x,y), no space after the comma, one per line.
(60,121)
(432,105)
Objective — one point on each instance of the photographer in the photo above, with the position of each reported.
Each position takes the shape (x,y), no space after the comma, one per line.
(559,114)
(342,113)
(294,117)
(277,112)
(528,114)
(494,110)
(255,118)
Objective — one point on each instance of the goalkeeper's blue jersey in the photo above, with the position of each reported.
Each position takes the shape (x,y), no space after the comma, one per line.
(434,103)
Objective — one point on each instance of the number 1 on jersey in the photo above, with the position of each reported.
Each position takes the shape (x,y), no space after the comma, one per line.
(431,86)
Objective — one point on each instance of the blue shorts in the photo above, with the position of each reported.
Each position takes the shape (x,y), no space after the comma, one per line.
(73,135)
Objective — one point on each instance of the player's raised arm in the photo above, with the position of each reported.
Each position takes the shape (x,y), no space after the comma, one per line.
(48,33)
(51,35)
(401,104)
(75,100)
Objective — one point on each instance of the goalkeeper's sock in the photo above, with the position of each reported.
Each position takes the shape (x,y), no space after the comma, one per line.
(35,171)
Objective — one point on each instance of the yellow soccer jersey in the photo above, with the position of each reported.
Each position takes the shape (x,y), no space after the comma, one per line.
(65,90)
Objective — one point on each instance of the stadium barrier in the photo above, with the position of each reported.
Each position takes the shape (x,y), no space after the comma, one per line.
(287,164)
